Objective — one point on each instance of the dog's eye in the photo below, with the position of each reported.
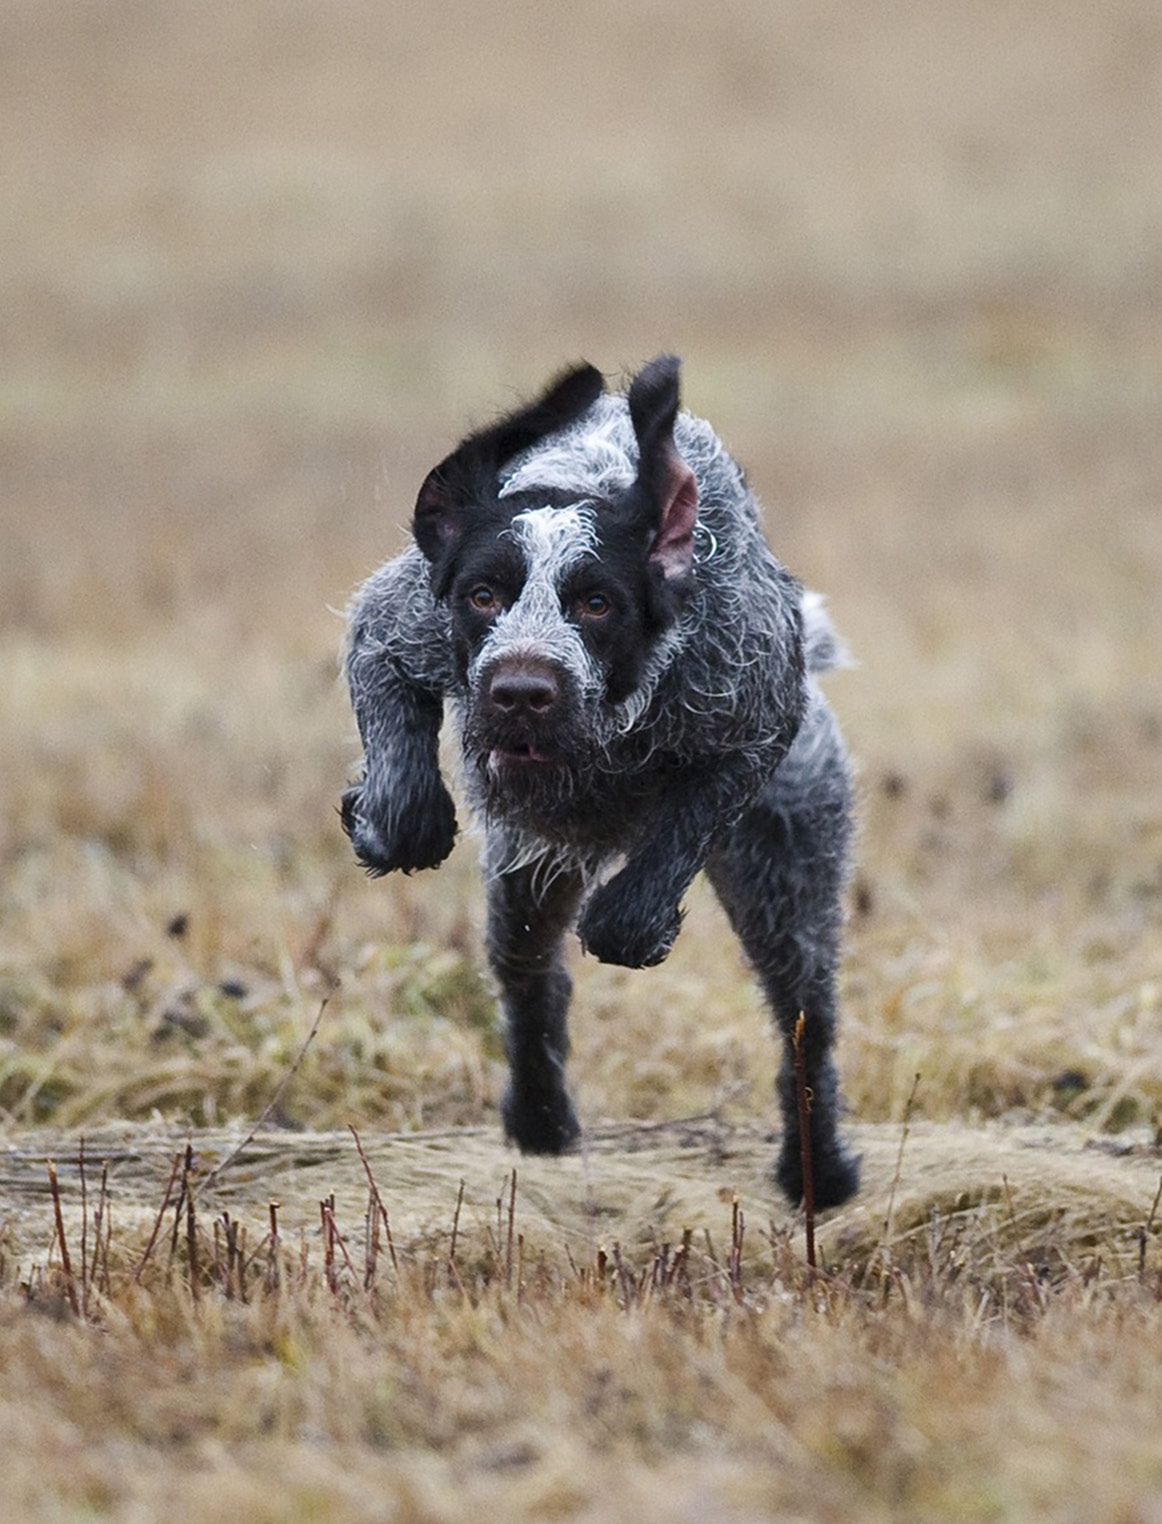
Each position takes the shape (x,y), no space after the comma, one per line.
(594,606)
(484,599)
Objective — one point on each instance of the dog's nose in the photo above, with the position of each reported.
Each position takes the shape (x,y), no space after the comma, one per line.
(527,688)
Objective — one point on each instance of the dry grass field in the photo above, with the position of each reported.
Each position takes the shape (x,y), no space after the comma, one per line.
(262,261)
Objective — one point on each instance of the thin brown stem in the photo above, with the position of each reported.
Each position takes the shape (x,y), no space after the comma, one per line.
(161,1211)
(225,1163)
(508,1242)
(377,1197)
(66,1263)
(803,1099)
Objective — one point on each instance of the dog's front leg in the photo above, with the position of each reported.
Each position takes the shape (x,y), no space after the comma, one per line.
(399,815)
(634,919)
(530,907)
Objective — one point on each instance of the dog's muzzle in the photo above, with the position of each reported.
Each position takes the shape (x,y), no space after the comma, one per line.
(523,699)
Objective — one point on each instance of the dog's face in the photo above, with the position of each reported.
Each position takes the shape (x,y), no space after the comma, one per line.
(553,627)
(560,597)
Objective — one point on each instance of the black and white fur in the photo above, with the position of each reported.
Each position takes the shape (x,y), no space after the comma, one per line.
(633,679)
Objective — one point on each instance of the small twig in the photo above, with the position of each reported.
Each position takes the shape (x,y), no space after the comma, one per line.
(1154,1207)
(84,1224)
(66,1264)
(659,1269)
(624,1278)
(173,1174)
(333,1239)
(102,1232)
(734,1262)
(191,1222)
(370,1243)
(376,1197)
(328,1223)
(336,1239)
(272,1264)
(455,1227)
(678,1265)
(898,1172)
(508,1241)
(803,1097)
(1144,1232)
(225,1163)
(234,1234)
(178,1211)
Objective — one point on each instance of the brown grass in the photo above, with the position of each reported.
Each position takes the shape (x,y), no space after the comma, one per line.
(548,1341)
(261,263)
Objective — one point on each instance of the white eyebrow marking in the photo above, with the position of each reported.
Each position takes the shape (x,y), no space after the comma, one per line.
(554,541)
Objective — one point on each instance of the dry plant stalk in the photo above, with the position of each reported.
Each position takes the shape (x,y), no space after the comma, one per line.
(1146,1229)
(191,1222)
(84,1216)
(803,1099)
(274,1243)
(455,1229)
(66,1264)
(376,1197)
(734,1261)
(157,1221)
(508,1242)
(102,1233)
(897,1173)
(280,1091)
(94,1266)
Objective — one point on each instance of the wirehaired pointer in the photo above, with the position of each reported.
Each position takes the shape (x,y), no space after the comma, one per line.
(633,679)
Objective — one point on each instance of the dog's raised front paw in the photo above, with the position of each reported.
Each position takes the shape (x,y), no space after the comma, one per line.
(620,925)
(400,840)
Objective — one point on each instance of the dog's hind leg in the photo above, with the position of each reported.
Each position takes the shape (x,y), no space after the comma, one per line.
(779,875)
(531,905)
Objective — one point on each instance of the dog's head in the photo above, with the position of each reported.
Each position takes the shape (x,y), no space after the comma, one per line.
(562,541)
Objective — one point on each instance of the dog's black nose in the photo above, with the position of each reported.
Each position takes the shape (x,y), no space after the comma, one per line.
(524,688)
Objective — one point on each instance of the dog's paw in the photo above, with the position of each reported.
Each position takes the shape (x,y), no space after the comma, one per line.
(389,841)
(541,1124)
(620,926)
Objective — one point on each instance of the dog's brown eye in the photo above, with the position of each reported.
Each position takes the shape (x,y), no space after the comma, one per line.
(595,605)
(483,598)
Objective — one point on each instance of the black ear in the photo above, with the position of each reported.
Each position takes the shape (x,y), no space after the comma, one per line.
(563,400)
(665,480)
(454,487)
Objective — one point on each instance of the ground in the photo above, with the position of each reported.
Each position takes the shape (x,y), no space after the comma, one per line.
(263,263)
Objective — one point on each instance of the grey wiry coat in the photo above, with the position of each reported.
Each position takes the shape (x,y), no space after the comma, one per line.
(633,678)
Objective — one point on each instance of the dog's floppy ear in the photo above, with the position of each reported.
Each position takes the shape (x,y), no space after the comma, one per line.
(457,485)
(664,478)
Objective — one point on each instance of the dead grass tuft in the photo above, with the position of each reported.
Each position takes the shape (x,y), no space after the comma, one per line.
(507,1357)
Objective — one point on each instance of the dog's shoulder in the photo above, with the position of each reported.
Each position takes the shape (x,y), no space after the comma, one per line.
(393,616)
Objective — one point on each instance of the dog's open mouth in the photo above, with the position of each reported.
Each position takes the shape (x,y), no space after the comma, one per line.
(520,755)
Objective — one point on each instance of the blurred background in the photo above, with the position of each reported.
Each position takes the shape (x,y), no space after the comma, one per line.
(264,262)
